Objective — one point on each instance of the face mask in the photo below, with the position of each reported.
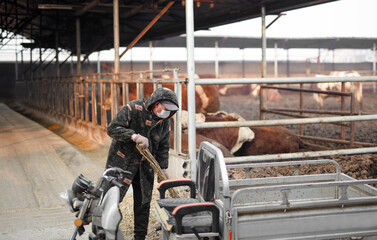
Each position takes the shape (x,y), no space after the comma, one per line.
(163,114)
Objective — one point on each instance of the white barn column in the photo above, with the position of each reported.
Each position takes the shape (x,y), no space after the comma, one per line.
(262,93)
(217,59)
(99,62)
(374,65)
(276,61)
(191,86)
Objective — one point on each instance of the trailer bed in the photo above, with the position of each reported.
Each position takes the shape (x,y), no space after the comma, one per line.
(318,206)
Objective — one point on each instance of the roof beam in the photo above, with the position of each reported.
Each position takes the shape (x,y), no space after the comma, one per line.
(137,9)
(145,30)
(89,6)
(57,6)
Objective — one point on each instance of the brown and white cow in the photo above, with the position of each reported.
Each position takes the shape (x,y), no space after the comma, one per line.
(231,138)
(235,89)
(271,140)
(199,139)
(354,87)
(273,95)
(266,140)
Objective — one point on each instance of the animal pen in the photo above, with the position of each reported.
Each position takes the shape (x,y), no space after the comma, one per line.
(84,100)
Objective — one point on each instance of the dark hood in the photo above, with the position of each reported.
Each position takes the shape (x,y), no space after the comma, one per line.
(161,94)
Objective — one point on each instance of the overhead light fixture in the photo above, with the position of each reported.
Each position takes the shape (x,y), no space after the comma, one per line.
(55,7)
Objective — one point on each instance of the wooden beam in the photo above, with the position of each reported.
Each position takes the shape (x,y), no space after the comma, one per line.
(89,6)
(146,29)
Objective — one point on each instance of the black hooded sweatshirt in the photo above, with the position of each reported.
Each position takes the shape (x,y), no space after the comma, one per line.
(138,117)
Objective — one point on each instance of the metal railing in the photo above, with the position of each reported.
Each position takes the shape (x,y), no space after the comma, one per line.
(89,99)
(95,98)
(294,121)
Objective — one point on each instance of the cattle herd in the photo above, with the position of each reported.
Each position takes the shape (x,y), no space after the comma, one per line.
(245,141)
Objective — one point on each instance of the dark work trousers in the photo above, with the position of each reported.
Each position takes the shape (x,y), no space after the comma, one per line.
(141,212)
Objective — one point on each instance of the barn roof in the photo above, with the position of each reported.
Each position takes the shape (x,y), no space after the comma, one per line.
(54,24)
(254,42)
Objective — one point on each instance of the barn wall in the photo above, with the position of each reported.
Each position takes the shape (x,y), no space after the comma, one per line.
(7,80)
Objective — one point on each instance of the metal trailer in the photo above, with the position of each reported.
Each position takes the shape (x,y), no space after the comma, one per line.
(317,206)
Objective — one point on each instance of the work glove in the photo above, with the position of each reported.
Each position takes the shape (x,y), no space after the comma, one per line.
(141,140)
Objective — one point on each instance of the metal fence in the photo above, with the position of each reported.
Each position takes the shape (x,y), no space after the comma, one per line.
(265,82)
(96,98)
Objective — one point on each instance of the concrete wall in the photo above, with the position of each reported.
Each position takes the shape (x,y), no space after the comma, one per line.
(7,80)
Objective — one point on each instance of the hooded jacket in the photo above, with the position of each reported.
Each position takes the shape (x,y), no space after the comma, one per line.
(138,117)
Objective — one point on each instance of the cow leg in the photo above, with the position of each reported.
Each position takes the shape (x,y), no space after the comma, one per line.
(319,99)
(361,106)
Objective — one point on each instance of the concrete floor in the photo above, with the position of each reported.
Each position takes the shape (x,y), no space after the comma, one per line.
(36,165)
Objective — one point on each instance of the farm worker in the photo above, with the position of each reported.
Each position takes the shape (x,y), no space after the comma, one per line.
(145,122)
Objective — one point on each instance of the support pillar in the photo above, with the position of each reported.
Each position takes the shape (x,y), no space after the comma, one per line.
(151,64)
(288,70)
(191,86)
(16,65)
(58,90)
(333,60)
(262,93)
(78,47)
(77,85)
(276,60)
(374,65)
(243,62)
(307,63)
(217,59)
(22,65)
(31,65)
(98,63)
(57,55)
(71,68)
(31,93)
(40,80)
(319,61)
(114,105)
(264,43)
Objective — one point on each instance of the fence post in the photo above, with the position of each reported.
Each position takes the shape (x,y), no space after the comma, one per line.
(342,104)
(102,99)
(352,124)
(81,97)
(94,99)
(76,97)
(86,98)
(177,123)
(301,129)
(141,85)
